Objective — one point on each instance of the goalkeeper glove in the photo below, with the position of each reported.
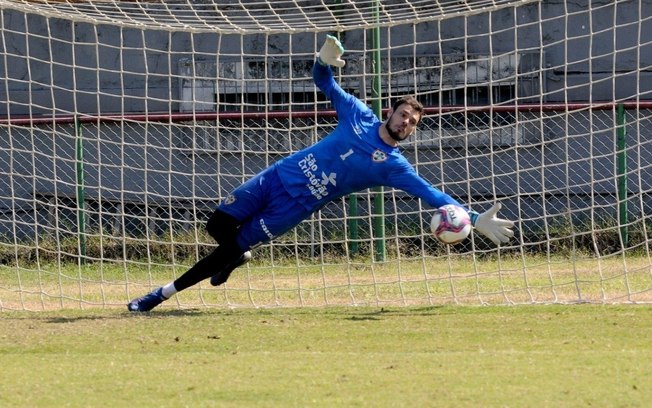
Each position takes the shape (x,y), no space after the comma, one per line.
(331,52)
(496,229)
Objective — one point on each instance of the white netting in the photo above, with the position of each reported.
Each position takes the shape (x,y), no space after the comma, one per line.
(122,124)
(250,17)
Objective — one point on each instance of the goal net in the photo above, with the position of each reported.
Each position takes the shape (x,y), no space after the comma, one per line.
(123,124)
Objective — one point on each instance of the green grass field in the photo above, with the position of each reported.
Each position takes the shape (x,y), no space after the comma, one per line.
(450,356)
(455,280)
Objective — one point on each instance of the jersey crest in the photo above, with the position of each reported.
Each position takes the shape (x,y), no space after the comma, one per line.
(379,156)
(229,200)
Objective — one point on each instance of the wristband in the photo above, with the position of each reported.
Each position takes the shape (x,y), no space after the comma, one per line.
(474,217)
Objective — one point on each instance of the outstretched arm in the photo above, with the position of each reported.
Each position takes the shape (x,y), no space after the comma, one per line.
(331,54)
(487,223)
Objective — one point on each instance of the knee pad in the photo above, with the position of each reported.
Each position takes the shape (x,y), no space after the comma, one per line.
(223,227)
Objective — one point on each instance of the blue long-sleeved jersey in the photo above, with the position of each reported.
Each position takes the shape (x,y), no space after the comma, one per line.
(351,158)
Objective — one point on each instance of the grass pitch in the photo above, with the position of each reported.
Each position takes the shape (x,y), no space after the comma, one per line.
(451,356)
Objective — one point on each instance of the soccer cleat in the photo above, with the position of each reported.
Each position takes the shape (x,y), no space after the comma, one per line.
(223,275)
(147,302)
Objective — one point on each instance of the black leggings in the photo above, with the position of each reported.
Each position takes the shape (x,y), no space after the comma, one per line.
(223,228)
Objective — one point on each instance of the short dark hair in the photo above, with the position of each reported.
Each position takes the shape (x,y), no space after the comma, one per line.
(410,100)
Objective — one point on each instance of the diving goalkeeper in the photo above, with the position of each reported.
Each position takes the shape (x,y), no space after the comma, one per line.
(362,152)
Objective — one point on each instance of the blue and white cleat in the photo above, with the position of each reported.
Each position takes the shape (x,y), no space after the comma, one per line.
(147,302)
(223,275)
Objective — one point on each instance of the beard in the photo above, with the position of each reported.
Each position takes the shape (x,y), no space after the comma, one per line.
(393,134)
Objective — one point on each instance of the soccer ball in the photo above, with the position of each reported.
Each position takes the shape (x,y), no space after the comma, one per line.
(450,224)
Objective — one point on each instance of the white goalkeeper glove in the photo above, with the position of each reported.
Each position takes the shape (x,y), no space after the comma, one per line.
(496,229)
(331,52)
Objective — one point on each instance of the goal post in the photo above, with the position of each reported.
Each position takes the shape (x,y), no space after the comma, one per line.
(123,124)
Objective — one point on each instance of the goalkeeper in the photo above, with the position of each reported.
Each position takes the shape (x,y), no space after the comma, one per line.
(362,152)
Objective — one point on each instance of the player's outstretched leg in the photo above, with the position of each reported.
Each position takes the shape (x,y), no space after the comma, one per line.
(221,277)
(147,302)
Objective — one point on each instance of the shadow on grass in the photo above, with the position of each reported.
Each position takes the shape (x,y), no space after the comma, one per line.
(121,315)
(346,313)
(397,312)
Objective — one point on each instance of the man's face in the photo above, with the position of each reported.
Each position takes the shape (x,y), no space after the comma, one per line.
(403,122)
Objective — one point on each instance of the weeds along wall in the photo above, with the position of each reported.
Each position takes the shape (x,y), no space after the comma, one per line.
(123,124)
